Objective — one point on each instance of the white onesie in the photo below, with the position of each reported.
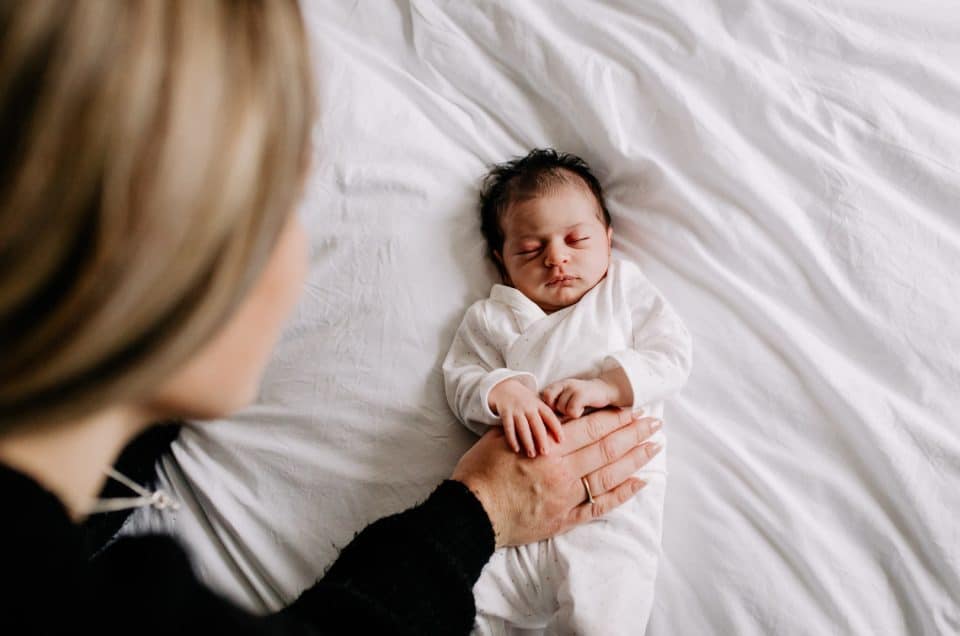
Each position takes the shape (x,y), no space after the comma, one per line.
(598,578)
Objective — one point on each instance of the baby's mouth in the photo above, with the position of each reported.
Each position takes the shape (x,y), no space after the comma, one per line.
(560,280)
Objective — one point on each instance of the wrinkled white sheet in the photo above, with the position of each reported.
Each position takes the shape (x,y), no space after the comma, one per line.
(785,172)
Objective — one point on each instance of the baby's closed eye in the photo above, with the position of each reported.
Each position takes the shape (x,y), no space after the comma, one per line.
(528,247)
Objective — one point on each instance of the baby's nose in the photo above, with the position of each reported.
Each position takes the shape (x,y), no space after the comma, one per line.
(555,256)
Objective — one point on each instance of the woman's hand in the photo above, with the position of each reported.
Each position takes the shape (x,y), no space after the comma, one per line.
(532,499)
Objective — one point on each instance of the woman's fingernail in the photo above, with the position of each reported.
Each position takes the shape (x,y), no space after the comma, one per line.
(653,447)
(656,426)
(637,414)
(638,484)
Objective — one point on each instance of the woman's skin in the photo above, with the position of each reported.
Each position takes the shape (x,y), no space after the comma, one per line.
(532,499)
(527,500)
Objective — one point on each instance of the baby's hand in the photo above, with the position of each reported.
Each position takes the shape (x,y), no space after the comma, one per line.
(571,397)
(524,416)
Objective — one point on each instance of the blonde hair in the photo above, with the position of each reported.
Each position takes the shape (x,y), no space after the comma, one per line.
(152,152)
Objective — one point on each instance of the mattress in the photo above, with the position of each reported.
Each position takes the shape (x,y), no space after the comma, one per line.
(787,174)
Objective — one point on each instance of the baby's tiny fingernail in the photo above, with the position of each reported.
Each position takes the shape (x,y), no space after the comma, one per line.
(545,450)
(530,453)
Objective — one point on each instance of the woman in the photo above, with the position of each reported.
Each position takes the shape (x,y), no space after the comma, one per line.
(152,155)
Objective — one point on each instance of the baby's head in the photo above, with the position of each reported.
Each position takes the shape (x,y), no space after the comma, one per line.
(547,227)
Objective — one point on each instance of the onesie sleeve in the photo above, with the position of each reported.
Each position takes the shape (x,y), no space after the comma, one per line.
(658,364)
(473,366)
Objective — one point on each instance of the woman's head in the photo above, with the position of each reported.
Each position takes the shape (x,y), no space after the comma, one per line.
(153,153)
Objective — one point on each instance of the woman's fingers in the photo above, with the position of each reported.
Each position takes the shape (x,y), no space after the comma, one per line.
(611,476)
(529,500)
(612,446)
(602,504)
(595,426)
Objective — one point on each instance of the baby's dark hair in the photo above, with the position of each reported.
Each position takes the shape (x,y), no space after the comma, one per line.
(525,178)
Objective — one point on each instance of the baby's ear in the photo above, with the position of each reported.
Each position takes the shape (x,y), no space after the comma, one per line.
(610,236)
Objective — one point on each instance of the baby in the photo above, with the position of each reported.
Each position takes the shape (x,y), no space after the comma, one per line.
(569,330)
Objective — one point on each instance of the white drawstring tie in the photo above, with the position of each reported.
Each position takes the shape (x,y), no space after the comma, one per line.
(157,499)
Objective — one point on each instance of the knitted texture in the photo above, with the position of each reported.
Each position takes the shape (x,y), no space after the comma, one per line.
(410,573)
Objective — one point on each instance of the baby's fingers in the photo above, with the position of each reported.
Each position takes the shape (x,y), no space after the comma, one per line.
(563,401)
(575,405)
(539,432)
(549,394)
(509,431)
(552,422)
(523,432)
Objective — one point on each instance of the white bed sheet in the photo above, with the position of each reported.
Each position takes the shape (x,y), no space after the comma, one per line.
(786,172)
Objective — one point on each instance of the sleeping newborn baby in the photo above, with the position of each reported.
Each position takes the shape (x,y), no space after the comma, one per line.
(569,330)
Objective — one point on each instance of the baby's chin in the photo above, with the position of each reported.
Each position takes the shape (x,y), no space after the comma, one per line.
(555,300)
(551,300)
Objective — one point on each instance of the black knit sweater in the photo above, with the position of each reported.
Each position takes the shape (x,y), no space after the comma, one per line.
(410,573)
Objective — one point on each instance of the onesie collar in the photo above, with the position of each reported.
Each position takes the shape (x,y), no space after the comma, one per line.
(526,311)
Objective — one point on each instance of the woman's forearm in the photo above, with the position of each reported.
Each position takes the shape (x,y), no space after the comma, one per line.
(410,572)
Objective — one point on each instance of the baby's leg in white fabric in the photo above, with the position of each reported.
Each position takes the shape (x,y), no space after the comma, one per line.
(510,595)
(609,566)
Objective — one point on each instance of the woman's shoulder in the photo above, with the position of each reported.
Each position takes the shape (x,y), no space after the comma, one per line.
(52,587)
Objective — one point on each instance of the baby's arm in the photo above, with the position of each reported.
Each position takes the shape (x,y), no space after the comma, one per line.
(655,367)
(483,393)
(658,364)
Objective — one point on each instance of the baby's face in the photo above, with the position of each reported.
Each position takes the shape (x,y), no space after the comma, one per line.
(556,247)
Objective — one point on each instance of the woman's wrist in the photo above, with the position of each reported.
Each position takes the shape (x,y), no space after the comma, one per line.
(486,500)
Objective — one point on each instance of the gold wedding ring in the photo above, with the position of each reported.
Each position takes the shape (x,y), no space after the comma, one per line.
(586,486)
